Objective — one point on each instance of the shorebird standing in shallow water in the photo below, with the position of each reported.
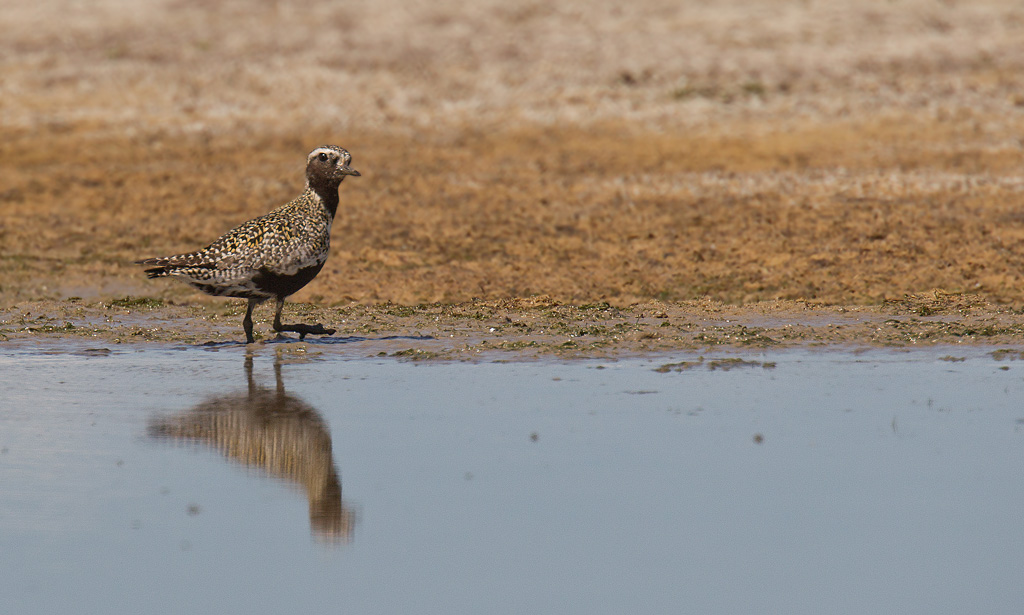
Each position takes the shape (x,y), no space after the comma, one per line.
(273,256)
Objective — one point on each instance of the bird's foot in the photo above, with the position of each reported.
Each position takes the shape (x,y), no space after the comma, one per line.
(304,330)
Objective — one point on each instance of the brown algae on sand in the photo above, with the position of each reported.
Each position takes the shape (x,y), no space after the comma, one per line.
(525,329)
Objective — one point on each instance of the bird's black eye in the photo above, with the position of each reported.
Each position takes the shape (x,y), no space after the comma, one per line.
(322,157)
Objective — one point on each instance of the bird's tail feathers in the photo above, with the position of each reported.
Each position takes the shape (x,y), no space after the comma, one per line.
(167,265)
(157,272)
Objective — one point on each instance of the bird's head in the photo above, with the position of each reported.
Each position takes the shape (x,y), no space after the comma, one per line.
(328,165)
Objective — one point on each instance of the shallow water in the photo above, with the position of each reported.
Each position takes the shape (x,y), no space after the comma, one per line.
(190,480)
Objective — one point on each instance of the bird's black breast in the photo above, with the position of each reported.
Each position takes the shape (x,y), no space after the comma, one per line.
(283,285)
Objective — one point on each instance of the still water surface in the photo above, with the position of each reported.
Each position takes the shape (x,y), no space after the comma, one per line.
(169,481)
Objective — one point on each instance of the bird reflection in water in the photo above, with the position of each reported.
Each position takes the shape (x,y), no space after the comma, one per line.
(275,432)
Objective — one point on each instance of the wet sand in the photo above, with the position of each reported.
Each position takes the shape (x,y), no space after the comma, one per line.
(587,178)
(524,329)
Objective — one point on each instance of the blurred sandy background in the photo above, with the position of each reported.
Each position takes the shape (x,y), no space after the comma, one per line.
(843,152)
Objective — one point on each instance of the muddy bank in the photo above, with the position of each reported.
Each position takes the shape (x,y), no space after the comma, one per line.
(523,329)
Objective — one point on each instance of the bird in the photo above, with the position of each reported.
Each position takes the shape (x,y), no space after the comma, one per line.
(274,255)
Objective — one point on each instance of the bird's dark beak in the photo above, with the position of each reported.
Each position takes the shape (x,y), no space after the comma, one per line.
(347,170)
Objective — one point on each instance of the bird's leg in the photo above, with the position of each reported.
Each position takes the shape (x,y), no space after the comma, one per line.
(247,322)
(302,330)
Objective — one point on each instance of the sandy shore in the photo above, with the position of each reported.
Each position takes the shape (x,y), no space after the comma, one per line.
(533,328)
